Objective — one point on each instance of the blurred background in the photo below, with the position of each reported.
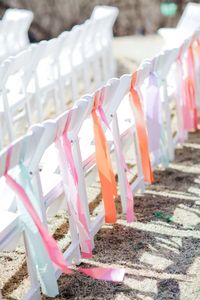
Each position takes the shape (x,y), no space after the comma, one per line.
(51,17)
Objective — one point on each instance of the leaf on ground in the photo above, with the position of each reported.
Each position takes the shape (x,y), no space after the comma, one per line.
(163,216)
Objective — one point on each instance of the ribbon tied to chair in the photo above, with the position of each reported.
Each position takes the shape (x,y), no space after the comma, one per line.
(50,245)
(104,166)
(70,178)
(187,89)
(130,216)
(141,131)
(191,92)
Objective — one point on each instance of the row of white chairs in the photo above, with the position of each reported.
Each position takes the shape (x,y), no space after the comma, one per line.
(76,62)
(46,169)
(14,28)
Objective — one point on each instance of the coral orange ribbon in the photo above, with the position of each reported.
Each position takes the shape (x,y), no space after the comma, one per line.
(130,215)
(141,132)
(106,175)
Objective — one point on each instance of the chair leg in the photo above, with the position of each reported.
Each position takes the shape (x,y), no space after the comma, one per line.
(28,112)
(1,134)
(56,100)
(168,123)
(138,162)
(61,95)
(86,77)
(74,86)
(9,124)
(35,285)
(120,169)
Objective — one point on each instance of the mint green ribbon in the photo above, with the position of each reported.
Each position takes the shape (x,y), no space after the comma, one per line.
(40,260)
(164,154)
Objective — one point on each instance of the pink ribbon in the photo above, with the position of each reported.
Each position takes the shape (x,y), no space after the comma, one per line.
(189,106)
(49,242)
(84,234)
(187,118)
(130,215)
(108,274)
(191,87)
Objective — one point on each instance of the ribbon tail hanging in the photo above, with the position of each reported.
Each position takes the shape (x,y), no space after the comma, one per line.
(191,87)
(141,132)
(71,180)
(106,175)
(130,216)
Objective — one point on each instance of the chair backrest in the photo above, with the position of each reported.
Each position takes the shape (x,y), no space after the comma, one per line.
(53,132)
(20,65)
(20,151)
(102,11)
(15,25)
(190,20)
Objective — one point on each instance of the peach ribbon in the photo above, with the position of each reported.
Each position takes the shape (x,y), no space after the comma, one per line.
(130,215)
(106,175)
(141,131)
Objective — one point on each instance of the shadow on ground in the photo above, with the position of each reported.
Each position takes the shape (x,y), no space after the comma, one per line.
(160,255)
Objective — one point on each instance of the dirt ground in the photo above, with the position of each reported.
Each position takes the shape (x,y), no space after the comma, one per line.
(160,252)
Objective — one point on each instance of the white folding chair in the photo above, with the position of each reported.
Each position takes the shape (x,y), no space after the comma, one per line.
(123,132)
(186,26)
(106,17)
(46,151)
(82,139)
(14,27)
(15,101)
(78,56)
(12,225)
(45,76)
(67,67)
(163,64)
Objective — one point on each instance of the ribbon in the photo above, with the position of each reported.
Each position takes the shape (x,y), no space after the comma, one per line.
(186,113)
(141,131)
(70,179)
(40,259)
(153,112)
(198,48)
(106,175)
(191,87)
(49,243)
(130,216)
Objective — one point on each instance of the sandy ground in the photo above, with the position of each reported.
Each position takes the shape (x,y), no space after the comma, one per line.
(160,251)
